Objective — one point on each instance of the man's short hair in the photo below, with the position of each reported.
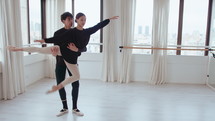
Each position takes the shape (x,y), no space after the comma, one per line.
(65,15)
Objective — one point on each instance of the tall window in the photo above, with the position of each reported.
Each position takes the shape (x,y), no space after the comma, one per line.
(187,25)
(173,25)
(30,21)
(91,8)
(143,26)
(35,20)
(24,21)
(212,32)
(68,6)
(194,25)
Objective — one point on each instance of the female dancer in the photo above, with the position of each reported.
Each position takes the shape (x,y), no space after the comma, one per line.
(79,36)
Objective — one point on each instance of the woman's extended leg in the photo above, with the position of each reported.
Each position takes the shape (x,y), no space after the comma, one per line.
(43,50)
(73,68)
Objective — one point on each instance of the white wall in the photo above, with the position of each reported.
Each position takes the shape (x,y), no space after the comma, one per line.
(34,68)
(181,69)
(90,66)
(187,69)
(0,84)
(1,78)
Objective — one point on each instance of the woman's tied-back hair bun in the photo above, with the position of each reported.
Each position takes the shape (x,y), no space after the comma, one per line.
(78,15)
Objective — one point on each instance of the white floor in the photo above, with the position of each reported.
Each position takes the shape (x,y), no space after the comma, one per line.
(101,101)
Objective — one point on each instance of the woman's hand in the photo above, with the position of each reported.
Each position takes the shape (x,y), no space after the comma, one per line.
(114,17)
(72,47)
(41,41)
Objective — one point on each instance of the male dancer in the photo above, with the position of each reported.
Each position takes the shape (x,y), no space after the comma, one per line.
(60,70)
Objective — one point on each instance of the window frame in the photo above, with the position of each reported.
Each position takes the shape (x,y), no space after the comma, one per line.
(143,45)
(43,21)
(180,27)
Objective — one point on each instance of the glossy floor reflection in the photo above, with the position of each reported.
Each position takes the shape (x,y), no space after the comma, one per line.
(101,101)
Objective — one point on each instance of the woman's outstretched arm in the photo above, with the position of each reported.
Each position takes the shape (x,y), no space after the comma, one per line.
(100,25)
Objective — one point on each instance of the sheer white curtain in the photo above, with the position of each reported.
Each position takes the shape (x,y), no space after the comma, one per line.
(110,43)
(54,8)
(127,17)
(10,34)
(159,38)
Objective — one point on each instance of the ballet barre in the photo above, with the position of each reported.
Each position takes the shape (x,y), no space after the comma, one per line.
(157,48)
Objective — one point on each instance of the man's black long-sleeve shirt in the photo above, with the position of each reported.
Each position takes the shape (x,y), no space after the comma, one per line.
(79,37)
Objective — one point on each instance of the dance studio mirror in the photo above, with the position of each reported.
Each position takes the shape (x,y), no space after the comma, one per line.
(211,67)
(211,72)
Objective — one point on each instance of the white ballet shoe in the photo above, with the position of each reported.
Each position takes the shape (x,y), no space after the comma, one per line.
(77,112)
(62,112)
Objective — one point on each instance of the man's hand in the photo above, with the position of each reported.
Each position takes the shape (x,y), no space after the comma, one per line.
(72,47)
(41,41)
(114,17)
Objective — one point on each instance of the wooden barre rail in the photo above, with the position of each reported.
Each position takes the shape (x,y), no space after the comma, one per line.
(127,47)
